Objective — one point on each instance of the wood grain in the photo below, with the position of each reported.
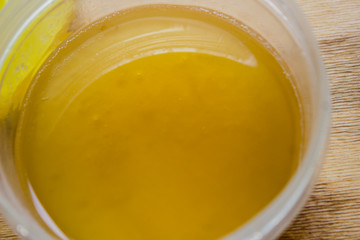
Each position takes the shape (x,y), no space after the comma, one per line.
(5,232)
(333,210)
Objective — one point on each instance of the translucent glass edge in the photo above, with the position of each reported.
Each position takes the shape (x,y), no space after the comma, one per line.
(22,222)
(279,214)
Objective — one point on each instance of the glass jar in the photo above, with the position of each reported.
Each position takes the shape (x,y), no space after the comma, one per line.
(31,30)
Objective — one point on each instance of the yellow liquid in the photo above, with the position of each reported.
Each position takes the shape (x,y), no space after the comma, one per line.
(157,123)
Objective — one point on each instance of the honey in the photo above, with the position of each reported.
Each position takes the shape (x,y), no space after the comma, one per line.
(157,123)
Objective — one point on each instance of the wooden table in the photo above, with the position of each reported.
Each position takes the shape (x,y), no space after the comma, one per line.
(333,210)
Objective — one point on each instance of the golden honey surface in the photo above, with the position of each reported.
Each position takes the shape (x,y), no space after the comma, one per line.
(157,123)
